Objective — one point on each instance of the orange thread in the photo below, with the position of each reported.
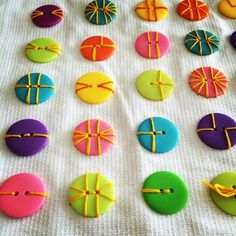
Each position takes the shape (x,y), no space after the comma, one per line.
(59,13)
(103,85)
(8,193)
(36,13)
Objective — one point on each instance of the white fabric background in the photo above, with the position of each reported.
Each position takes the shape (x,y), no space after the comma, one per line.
(127,164)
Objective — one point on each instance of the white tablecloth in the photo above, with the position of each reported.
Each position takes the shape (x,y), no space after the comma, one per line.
(127,164)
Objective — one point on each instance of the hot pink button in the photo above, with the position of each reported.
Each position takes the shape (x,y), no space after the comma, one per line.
(152,45)
(22,195)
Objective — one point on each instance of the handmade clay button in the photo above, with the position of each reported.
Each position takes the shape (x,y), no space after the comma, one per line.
(27,137)
(97,48)
(93,137)
(208,82)
(47,15)
(94,87)
(91,195)
(233,39)
(34,88)
(152,45)
(217,131)
(202,42)
(154,85)
(22,195)
(42,50)
(223,191)
(228,8)
(193,10)
(151,10)
(158,135)
(100,12)
(165,192)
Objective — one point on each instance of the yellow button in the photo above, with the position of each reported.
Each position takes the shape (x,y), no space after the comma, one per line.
(94,87)
(228,8)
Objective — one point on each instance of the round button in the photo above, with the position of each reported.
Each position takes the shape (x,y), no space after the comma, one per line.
(94,87)
(22,195)
(42,50)
(193,10)
(158,135)
(228,8)
(165,192)
(151,10)
(27,137)
(223,192)
(233,39)
(93,137)
(34,88)
(100,12)
(152,45)
(208,82)
(202,42)
(217,131)
(154,85)
(47,15)
(91,195)
(97,48)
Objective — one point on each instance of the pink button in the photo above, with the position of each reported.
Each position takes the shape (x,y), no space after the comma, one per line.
(22,195)
(152,45)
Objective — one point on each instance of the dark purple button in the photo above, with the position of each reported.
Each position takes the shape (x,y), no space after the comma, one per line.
(27,137)
(233,39)
(47,15)
(217,131)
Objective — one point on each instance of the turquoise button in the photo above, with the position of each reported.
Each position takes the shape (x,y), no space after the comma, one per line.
(34,88)
(158,135)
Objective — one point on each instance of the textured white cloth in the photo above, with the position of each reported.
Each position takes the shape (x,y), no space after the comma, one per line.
(127,164)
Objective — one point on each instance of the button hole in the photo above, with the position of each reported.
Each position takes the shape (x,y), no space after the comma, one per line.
(21,135)
(27,193)
(234,186)
(171,190)
(87,192)
(97,192)
(31,134)
(215,129)
(16,193)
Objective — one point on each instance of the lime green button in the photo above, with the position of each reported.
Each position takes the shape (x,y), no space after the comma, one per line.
(226,204)
(154,85)
(91,195)
(165,192)
(42,50)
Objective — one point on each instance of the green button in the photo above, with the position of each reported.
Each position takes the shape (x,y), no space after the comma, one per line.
(154,85)
(226,204)
(42,50)
(165,192)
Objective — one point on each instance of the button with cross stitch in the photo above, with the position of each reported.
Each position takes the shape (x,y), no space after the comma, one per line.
(91,194)
(152,45)
(151,10)
(93,137)
(202,42)
(165,193)
(217,130)
(193,10)
(94,87)
(158,135)
(27,137)
(42,50)
(154,85)
(223,191)
(227,8)
(97,48)
(22,195)
(208,82)
(34,88)
(101,12)
(47,15)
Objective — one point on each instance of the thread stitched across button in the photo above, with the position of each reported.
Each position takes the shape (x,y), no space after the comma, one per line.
(158,53)
(41,194)
(86,86)
(52,48)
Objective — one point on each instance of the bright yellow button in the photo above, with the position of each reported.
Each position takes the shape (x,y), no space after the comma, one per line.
(94,87)
(228,8)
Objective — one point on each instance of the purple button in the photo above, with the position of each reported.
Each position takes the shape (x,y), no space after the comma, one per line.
(47,15)
(27,137)
(233,39)
(217,131)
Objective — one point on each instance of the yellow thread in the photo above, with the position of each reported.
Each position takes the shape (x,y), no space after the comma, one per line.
(26,135)
(220,189)
(36,13)
(59,13)
(29,89)
(41,194)
(99,138)
(150,190)
(53,48)
(37,89)
(8,193)
(227,135)
(213,124)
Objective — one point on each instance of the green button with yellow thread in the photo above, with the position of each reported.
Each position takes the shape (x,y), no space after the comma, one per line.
(165,193)
(91,195)
(154,85)
(42,50)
